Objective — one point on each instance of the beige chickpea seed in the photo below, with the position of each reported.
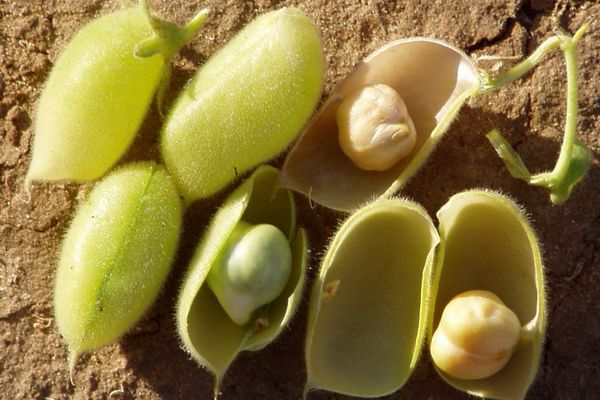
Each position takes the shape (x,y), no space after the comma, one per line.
(476,336)
(375,130)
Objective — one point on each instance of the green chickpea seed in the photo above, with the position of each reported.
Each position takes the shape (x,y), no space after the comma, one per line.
(252,270)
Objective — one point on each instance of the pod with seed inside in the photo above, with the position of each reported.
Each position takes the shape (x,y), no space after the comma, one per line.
(380,123)
(368,309)
(99,91)
(116,255)
(487,342)
(246,277)
(246,104)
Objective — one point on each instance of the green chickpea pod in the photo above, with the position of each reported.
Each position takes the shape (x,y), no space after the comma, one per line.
(246,278)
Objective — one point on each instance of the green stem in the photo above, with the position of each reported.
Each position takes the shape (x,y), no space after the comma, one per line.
(564,159)
(168,37)
(166,40)
(574,158)
(519,70)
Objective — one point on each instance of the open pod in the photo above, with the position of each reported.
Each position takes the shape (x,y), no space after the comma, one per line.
(487,244)
(368,306)
(432,77)
(207,332)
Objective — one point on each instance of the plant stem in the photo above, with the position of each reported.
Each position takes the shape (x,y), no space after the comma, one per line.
(574,157)
(516,72)
(564,158)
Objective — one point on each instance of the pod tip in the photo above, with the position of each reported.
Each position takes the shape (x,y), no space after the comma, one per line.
(73,358)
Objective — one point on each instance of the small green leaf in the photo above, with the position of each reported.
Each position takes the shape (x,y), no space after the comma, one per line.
(578,164)
(511,158)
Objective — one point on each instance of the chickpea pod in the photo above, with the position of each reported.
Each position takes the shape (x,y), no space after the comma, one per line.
(344,158)
(380,123)
(476,336)
(488,256)
(246,104)
(245,280)
(375,130)
(100,89)
(368,306)
(116,255)
(252,270)
(388,277)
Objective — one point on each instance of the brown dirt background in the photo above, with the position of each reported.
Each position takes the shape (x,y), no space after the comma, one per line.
(148,363)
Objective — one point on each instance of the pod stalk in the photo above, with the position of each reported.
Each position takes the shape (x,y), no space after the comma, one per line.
(166,40)
(217,388)
(73,358)
(490,84)
(306,391)
(168,37)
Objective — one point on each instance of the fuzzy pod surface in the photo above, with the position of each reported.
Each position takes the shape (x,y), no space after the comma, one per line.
(246,104)
(99,91)
(116,255)
(368,313)
(488,244)
(207,332)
